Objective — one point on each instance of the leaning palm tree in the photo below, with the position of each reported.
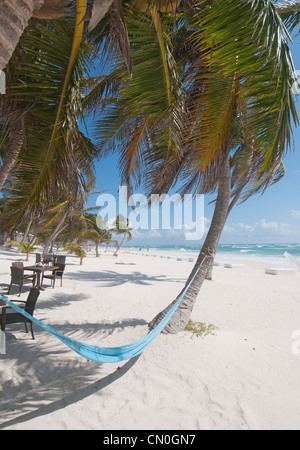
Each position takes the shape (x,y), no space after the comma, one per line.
(251,89)
(96,231)
(239,67)
(122,227)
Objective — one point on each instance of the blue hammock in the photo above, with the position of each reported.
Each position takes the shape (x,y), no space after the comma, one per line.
(106,354)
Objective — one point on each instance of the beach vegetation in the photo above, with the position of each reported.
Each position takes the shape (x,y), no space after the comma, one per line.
(24,247)
(213,114)
(77,250)
(54,167)
(121,227)
(200,329)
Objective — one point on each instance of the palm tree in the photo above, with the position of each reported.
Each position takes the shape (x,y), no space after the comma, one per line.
(43,86)
(56,159)
(77,250)
(80,253)
(238,67)
(121,227)
(25,247)
(16,14)
(94,232)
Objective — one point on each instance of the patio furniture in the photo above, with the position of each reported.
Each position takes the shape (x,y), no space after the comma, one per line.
(61,259)
(48,258)
(39,270)
(38,257)
(58,273)
(18,264)
(7,318)
(18,277)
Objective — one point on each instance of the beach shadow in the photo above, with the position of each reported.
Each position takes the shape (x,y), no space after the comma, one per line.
(14,289)
(55,386)
(109,278)
(73,397)
(57,300)
(104,329)
(7,251)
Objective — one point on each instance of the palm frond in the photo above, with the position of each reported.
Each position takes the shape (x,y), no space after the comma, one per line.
(289,11)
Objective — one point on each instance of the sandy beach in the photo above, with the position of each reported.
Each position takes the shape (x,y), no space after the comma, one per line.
(242,376)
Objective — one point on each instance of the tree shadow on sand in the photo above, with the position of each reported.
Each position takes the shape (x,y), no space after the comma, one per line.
(109,278)
(51,378)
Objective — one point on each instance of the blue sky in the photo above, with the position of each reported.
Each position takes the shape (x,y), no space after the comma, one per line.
(271,218)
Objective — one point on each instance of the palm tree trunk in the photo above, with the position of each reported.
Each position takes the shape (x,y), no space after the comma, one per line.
(3,237)
(120,245)
(230,207)
(181,317)
(27,231)
(14,18)
(58,229)
(14,148)
(15,15)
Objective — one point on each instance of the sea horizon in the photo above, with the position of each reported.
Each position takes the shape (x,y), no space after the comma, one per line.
(272,253)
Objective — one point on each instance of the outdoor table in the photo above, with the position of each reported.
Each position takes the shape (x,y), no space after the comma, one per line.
(39,270)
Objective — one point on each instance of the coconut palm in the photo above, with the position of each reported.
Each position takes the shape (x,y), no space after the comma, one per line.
(238,67)
(16,14)
(56,159)
(121,226)
(77,250)
(266,141)
(94,232)
(24,247)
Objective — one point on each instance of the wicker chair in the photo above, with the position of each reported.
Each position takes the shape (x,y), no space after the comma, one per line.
(18,277)
(58,273)
(38,258)
(48,258)
(61,259)
(7,318)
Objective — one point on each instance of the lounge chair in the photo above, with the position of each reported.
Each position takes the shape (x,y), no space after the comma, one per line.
(7,318)
(234,265)
(18,277)
(285,270)
(280,271)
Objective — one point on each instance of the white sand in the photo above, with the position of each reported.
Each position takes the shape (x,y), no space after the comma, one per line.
(243,377)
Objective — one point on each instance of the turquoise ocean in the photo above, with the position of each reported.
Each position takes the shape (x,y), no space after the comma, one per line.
(272,253)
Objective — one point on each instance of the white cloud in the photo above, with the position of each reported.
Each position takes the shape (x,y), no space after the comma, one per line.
(146,234)
(247,228)
(295,214)
(261,230)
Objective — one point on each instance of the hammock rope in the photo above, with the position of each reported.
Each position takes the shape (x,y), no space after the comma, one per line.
(108,354)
